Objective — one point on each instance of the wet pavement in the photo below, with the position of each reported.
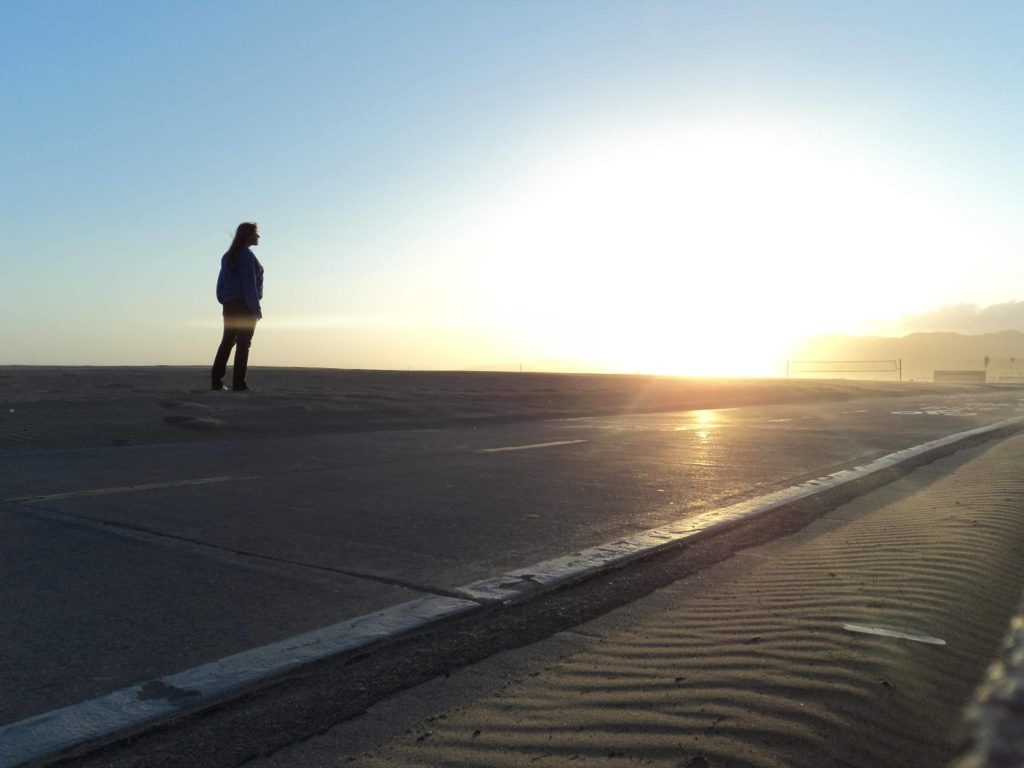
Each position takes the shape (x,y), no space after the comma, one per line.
(123,563)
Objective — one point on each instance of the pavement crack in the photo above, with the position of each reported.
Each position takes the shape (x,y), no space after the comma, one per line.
(149,534)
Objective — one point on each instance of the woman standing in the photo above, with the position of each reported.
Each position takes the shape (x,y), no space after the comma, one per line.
(239,290)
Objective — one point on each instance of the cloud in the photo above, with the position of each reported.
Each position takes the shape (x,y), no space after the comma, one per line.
(968,318)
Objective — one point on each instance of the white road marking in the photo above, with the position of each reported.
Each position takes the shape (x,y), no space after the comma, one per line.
(127,489)
(528,447)
(894,633)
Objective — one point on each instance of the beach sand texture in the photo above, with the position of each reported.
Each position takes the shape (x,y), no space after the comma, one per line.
(42,408)
(749,664)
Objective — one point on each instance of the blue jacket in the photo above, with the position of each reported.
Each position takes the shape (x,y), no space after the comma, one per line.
(242,281)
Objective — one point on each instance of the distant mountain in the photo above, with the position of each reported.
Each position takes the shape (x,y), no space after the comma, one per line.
(968,318)
(924,353)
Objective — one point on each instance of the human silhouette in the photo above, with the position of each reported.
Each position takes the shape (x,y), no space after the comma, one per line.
(239,290)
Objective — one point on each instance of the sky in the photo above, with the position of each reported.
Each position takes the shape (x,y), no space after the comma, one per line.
(667,187)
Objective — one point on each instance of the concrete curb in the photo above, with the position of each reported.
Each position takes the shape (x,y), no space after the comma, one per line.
(81,727)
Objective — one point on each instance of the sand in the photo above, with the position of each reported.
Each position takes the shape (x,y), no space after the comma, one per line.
(63,407)
(748,663)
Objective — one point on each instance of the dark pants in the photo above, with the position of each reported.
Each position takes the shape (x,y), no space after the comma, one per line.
(239,326)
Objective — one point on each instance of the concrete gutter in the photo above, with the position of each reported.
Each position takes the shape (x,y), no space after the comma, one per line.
(79,728)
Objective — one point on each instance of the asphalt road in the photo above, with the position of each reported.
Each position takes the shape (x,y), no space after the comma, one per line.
(121,564)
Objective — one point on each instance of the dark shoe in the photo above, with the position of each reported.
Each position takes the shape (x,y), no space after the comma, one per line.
(217,386)
(240,388)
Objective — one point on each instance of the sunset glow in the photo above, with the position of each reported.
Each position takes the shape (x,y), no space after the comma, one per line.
(706,250)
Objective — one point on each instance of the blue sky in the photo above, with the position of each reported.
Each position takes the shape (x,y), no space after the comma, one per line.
(452,184)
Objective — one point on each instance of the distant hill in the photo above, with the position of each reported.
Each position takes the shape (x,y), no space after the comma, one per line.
(924,353)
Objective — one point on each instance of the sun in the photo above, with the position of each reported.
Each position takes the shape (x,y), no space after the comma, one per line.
(702,250)
(690,249)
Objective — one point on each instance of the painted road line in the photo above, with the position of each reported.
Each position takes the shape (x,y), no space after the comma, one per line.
(126,489)
(528,447)
(133,709)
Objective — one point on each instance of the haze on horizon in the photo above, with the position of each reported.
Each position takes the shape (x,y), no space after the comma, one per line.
(660,186)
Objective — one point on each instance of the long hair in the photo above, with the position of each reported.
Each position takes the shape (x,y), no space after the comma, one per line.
(242,236)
